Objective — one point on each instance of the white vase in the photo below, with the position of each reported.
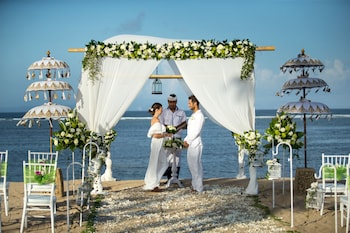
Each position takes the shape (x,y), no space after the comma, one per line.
(252,188)
(241,164)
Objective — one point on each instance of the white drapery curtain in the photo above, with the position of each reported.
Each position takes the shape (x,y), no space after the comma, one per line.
(101,103)
(226,99)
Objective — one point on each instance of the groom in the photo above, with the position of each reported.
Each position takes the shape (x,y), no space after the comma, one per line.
(193,143)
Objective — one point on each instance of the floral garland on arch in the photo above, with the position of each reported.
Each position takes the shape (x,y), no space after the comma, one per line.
(250,141)
(178,50)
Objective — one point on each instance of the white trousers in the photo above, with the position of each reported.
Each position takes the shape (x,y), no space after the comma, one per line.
(194,160)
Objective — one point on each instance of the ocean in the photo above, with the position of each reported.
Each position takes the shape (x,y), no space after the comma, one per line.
(130,150)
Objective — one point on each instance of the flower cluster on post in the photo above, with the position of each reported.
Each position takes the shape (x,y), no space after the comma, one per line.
(250,141)
(283,129)
(73,133)
(178,50)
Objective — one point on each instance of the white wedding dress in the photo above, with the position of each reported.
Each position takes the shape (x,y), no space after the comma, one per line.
(157,161)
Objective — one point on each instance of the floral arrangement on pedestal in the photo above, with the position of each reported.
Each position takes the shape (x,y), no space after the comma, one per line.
(173,143)
(282,128)
(73,133)
(249,141)
(177,50)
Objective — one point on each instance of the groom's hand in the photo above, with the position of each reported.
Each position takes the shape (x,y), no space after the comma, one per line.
(186,144)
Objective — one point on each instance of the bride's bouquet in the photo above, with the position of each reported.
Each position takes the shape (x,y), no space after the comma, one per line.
(171,129)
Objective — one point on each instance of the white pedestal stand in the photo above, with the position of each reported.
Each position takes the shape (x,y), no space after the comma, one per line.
(257,161)
(253,187)
(241,174)
(107,176)
(174,179)
(97,185)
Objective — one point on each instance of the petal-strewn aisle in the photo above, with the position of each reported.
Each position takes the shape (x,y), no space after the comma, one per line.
(220,208)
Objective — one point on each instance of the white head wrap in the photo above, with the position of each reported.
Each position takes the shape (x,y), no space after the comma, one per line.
(172,97)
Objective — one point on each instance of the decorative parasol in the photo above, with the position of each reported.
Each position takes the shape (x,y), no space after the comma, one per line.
(303,84)
(49,111)
(53,69)
(52,86)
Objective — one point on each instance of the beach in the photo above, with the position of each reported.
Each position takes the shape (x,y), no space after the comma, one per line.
(222,207)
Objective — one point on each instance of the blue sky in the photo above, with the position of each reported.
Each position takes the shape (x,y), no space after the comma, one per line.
(29,28)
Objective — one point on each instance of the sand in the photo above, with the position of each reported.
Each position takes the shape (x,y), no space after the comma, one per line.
(305,220)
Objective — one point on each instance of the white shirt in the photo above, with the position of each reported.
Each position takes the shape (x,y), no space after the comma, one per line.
(194,128)
(173,118)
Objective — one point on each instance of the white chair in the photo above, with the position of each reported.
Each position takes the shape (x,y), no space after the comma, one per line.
(4,185)
(330,183)
(344,204)
(39,157)
(41,199)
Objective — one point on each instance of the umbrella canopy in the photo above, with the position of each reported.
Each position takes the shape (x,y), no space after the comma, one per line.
(49,86)
(49,111)
(305,82)
(54,68)
(302,62)
(305,106)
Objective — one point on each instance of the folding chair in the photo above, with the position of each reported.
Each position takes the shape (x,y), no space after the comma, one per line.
(4,185)
(41,199)
(331,183)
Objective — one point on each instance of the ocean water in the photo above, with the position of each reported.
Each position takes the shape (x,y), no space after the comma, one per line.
(130,150)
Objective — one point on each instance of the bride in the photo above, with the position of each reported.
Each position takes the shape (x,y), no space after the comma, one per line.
(157,161)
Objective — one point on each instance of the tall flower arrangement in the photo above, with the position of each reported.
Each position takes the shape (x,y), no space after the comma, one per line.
(250,141)
(73,133)
(178,50)
(282,128)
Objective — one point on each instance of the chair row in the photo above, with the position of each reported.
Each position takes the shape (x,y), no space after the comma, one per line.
(333,181)
(39,175)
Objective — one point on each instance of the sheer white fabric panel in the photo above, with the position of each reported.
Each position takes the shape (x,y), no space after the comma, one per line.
(103,102)
(221,92)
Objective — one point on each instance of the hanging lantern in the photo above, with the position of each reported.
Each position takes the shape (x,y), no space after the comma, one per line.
(157,87)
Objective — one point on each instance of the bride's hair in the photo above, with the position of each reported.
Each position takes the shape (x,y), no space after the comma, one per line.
(154,107)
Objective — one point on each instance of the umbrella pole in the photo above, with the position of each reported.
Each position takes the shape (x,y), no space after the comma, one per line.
(50,135)
(305,156)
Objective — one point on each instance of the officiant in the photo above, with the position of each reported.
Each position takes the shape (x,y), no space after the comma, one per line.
(174,116)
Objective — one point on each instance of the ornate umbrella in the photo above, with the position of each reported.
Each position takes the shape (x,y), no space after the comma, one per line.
(303,84)
(52,69)
(48,111)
